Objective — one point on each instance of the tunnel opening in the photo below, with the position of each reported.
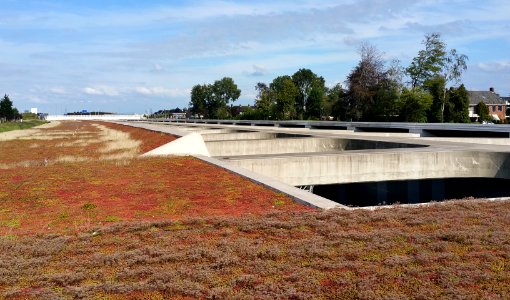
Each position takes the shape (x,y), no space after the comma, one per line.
(465,133)
(325,127)
(265,124)
(382,129)
(413,191)
(292,125)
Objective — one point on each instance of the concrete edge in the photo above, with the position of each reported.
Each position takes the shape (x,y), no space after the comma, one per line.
(190,144)
(296,194)
(155,127)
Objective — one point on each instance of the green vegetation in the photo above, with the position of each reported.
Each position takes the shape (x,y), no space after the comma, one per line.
(7,111)
(374,90)
(8,126)
(483,112)
(211,100)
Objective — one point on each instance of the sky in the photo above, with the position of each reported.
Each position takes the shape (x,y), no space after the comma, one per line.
(137,56)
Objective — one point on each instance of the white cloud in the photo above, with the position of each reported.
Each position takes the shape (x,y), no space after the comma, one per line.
(495,67)
(37,100)
(258,70)
(101,90)
(132,51)
(58,90)
(160,91)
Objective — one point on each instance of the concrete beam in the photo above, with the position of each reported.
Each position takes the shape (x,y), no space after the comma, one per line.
(296,145)
(318,169)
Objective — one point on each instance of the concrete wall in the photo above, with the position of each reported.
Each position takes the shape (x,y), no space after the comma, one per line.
(239,136)
(273,146)
(248,135)
(294,145)
(378,166)
(94,117)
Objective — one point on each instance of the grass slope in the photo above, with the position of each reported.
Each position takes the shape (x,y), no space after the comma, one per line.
(8,126)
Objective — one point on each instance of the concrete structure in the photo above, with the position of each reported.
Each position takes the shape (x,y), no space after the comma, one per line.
(94,117)
(190,144)
(375,128)
(319,169)
(303,155)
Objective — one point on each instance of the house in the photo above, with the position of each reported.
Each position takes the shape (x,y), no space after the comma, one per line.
(496,104)
(238,110)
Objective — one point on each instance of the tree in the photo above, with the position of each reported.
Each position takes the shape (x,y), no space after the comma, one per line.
(15,114)
(434,62)
(429,61)
(315,104)
(211,100)
(413,105)
(435,87)
(365,83)
(457,110)
(199,96)
(311,88)
(337,102)
(285,92)
(483,112)
(224,91)
(6,110)
(389,90)
(265,103)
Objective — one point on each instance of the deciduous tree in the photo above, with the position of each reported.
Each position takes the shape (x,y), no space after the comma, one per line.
(212,100)
(436,61)
(413,105)
(265,103)
(285,93)
(367,86)
(309,101)
(337,101)
(199,96)
(225,91)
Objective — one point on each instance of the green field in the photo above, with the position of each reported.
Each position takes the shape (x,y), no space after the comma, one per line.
(8,126)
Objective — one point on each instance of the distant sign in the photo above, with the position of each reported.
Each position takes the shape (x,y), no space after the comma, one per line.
(84,111)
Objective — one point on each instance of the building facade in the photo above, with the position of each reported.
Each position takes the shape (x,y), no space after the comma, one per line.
(495,103)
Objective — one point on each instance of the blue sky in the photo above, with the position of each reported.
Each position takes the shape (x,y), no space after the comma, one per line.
(142,56)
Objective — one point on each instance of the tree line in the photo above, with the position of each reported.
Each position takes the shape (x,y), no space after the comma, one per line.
(374,90)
